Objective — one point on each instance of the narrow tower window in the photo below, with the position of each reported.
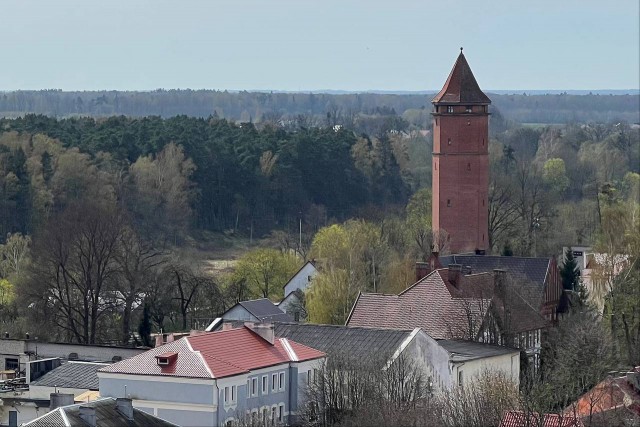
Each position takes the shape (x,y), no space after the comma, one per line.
(449,141)
(468,166)
(448,203)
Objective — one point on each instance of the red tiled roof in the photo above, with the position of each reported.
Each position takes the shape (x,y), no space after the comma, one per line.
(520,419)
(461,86)
(610,394)
(216,355)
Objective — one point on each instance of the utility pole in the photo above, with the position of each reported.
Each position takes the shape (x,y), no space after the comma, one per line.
(300,233)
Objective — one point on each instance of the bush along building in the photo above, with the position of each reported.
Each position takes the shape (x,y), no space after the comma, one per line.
(243,376)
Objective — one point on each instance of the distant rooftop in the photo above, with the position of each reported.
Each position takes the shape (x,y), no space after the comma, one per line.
(72,375)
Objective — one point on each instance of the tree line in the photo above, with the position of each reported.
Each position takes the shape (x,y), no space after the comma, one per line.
(264,106)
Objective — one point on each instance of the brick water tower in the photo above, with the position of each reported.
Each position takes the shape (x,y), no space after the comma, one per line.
(461,161)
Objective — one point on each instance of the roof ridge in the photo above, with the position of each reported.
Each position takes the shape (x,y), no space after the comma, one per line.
(340,326)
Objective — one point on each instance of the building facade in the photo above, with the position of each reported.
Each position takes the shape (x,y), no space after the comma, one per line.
(461,161)
(234,376)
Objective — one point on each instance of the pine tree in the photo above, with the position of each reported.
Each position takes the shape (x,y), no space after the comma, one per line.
(569,271)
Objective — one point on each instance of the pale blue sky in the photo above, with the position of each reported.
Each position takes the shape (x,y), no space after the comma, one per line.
(303,45)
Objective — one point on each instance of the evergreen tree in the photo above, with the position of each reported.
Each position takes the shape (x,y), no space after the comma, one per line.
(569,271)
(144,328)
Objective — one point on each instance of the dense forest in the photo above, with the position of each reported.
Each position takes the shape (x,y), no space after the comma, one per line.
(103,220)
(260,106)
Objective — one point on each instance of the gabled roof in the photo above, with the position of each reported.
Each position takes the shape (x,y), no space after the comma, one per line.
(430,304)
(533,269)
(216,355)
(106,416)
(461,87)
(444,310)
(521,419)
(312,262)
(609,395)
(265,310)
(353,342)
(72,375)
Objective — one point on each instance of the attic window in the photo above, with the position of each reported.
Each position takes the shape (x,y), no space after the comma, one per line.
(166,359)
(468,109)
(450,109)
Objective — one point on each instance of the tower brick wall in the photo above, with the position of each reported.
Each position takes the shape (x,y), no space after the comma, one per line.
(461,161)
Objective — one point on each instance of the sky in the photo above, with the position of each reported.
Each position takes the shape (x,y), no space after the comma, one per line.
(304,45)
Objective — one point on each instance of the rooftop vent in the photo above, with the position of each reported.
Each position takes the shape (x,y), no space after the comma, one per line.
(166,359)
(73,356)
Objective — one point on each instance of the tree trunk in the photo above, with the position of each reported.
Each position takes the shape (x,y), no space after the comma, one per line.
(126,319)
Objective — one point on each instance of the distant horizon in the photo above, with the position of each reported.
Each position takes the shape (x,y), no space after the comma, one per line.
(348,92)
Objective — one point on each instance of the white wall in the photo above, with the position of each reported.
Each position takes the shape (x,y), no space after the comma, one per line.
(301,280)
(509,364)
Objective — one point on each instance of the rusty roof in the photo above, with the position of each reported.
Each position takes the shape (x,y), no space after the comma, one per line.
(461,87)
(522,419)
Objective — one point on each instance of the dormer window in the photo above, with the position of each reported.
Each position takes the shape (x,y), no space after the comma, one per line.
(450,109)
(166,359)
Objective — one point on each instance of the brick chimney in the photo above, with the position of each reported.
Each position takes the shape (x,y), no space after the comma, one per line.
(455,272)
(422,270)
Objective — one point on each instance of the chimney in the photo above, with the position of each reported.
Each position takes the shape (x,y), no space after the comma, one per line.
(159,340)
(265,330)
(227,326)
(455,271)
(88,415)
(57,400)
(170,338)
(422,270)
(125,407)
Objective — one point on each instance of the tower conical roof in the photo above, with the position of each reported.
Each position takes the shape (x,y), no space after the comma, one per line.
(461,87)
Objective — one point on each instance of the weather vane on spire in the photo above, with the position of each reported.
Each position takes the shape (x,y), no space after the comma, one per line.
(461,50)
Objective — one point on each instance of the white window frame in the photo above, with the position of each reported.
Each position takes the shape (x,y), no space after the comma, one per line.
(254,386)
(280,413)
(234,395)
(264,386)
(281,381)
(274,382)
(226,395)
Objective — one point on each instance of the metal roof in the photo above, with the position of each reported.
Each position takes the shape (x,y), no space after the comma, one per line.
(106,416)
(265,310)
(461,86)
(72,375)
(358,343)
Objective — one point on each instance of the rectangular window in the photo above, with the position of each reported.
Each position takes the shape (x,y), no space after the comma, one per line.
(460,379)
(468,108)
(280,413)
(281,381)
(265,387)
(233,393)
(315,374)
(450,109)
(309,376)
(11,364)
(274,382)
(448,203)
(254,386)
(226,395)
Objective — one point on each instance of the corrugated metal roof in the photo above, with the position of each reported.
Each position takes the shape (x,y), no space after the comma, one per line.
(72,375)
(106,416)
(354,342)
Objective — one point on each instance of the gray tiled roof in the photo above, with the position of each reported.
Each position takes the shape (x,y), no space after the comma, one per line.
(72,375)
(533,269)
(265,310)
(106,416)
(354,342)
(469,350)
